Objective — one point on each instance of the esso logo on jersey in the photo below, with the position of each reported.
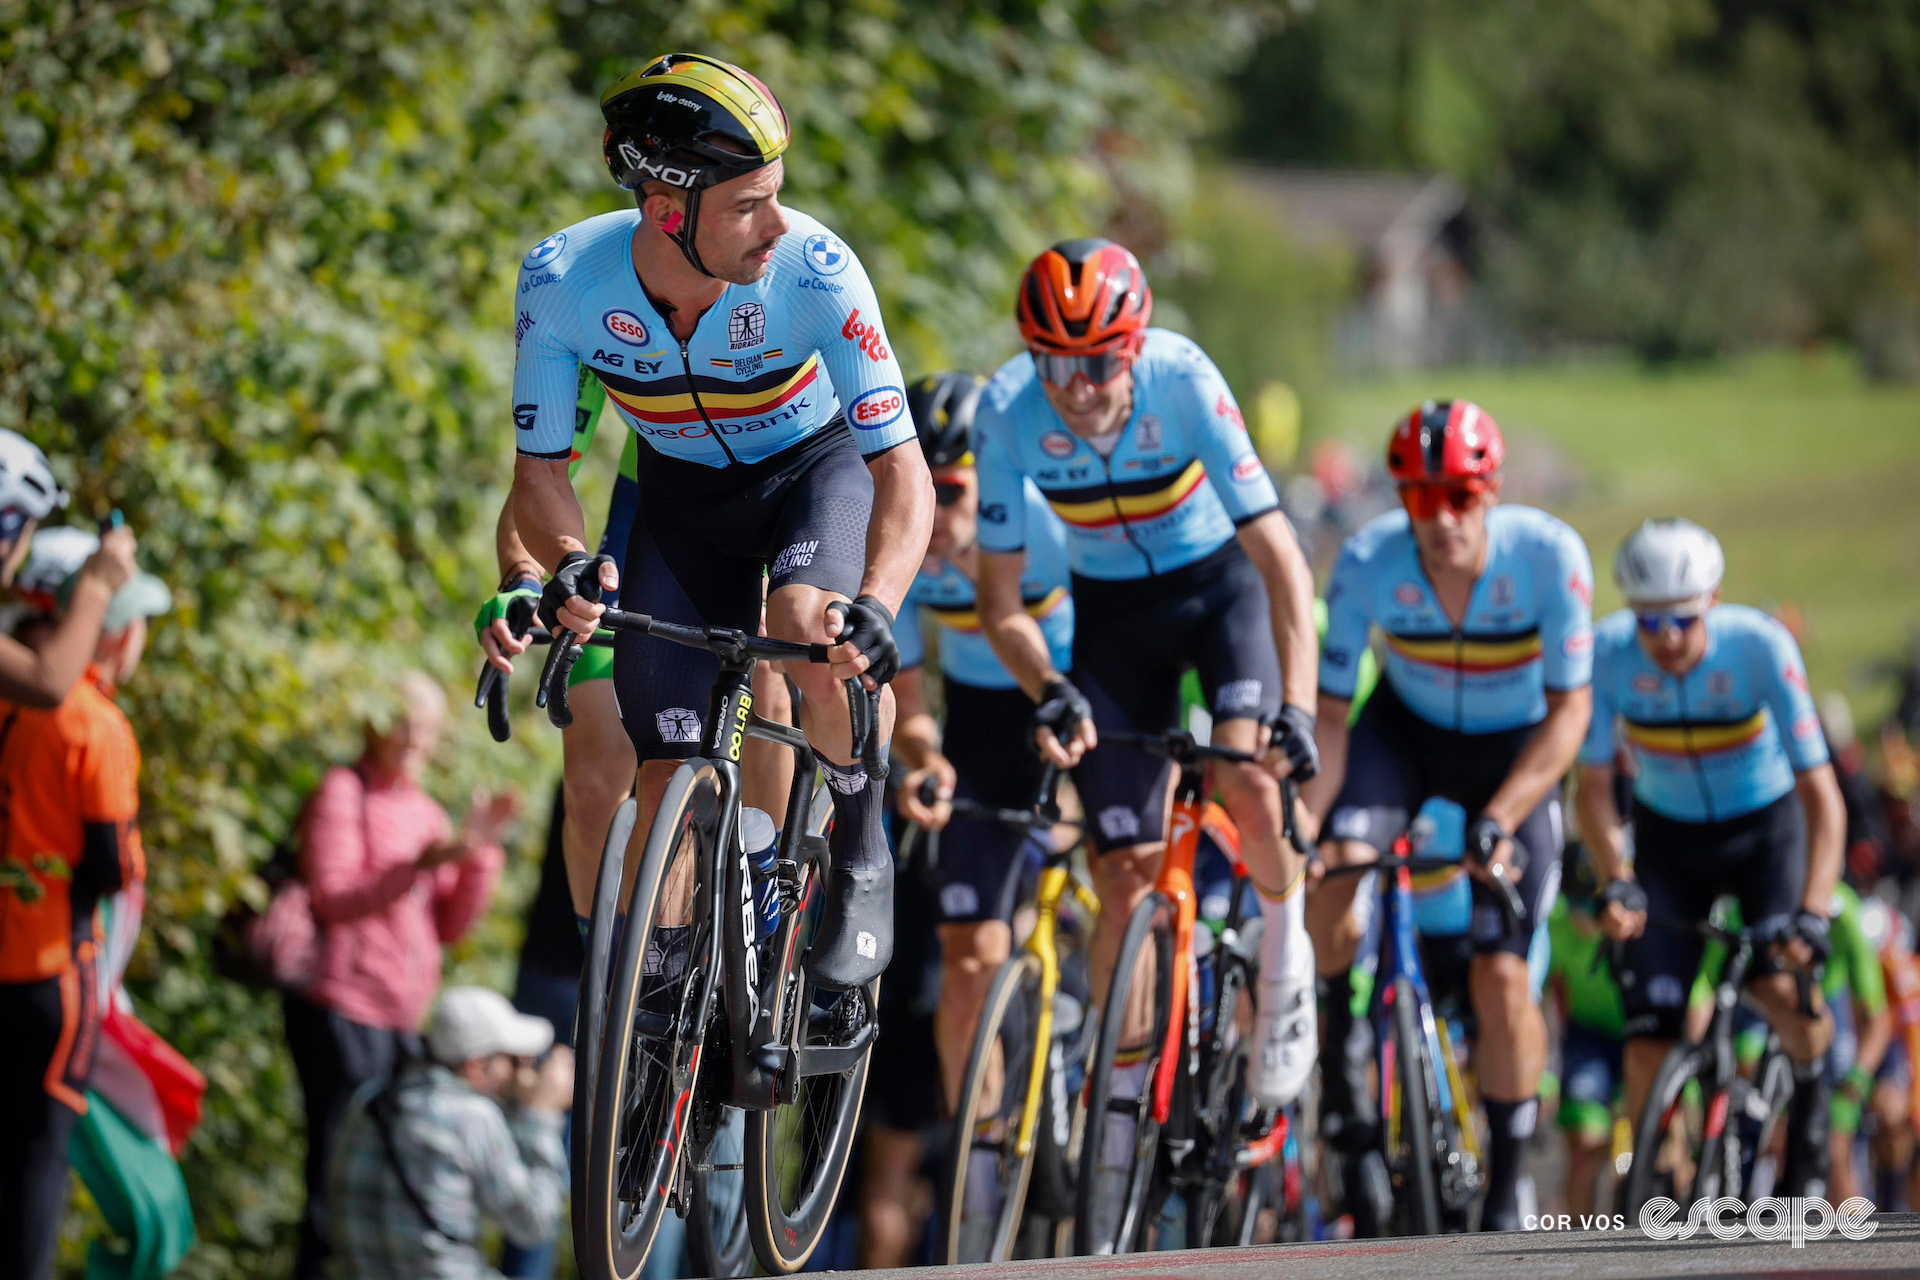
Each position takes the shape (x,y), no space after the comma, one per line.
(546,251)
(1057,444)
(1577,643)
(873,409)
(627,327)
(1644,683)
(1408,594)
(1248,469)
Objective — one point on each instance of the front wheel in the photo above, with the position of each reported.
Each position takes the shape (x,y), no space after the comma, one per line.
(1000,1096)
(1119,1155)
(1674,1155)
(1411,1117)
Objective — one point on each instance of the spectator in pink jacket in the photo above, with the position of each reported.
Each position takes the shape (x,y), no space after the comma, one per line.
(391,882)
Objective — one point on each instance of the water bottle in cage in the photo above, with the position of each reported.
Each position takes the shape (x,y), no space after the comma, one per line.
(761,839)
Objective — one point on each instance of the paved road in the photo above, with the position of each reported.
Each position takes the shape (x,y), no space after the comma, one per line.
(1893,1250)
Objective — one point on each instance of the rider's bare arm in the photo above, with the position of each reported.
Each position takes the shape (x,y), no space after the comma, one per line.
(901,522)
(916,734)
(1826,833)
(1318,793)
(1015,636)
(545,512)
(1545,759)
(515,560)
(1601,827)
(1269,542)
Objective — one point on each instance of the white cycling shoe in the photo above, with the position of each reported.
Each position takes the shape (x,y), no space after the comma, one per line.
(1285,1037)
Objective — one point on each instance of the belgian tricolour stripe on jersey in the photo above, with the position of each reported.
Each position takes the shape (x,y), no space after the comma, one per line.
(1697,737)
(1473,653)
(967,617)
(1098,506)
(668,401)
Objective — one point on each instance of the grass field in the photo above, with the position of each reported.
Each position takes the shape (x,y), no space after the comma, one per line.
(1809,475)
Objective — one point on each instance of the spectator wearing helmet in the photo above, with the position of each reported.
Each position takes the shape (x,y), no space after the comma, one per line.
(41,675)
(69,805)
(1734,795)
(1485,609)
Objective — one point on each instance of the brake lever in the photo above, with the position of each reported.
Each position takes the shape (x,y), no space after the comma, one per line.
(492,690)
(565,652)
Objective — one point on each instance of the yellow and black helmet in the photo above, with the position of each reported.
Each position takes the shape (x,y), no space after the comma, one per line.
(690,122)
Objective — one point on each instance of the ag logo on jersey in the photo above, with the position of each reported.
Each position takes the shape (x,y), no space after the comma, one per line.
(546,251)
(1057,444)
(874,409)
(627,327)
(747,326)
(825,254)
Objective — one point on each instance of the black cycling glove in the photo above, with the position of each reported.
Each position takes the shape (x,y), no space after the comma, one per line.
(1293,738)
(868,627)
(1626,893)
(1813,929)
(562,587)
(1484,835)
(1061,709)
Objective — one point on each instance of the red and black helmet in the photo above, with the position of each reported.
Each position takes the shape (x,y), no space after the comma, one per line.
(1445,440)
(1084,297)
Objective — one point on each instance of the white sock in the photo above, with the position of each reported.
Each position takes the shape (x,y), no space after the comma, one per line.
(1129,1079)
(1285,949)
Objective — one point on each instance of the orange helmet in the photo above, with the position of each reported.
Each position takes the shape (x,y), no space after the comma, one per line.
(1084,297)
(1445,440)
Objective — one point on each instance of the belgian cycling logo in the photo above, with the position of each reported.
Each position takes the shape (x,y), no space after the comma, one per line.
(873,409)
(747,326)
(797,556)
(1237,695)
(546,251)
(1148,433)
(825,254)
(1118,822)
(627,327)
(677,724)
(1057,444)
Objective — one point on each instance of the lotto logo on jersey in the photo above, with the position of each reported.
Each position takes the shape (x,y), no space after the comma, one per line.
(874,409)
(546,251)
(1227,409)
(627,327)
(825,255)
(1248,469)
(1057,444)
(867,335)
(1581,588)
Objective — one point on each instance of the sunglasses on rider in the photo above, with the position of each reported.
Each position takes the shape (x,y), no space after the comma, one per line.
(1424,498)
(1656,621)
(948,492)
(1059,371)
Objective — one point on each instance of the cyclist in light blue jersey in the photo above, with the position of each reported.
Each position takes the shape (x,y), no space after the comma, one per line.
(1484,611)
(978,753)
(1735,794)
(1181,560)
(742,342)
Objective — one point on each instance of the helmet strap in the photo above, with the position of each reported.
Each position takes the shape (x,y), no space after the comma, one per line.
(680,231)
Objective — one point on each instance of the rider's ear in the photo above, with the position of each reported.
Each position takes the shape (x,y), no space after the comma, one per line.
(660,203)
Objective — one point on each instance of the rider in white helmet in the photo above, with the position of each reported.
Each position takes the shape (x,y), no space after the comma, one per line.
(41,676)
(1735,794)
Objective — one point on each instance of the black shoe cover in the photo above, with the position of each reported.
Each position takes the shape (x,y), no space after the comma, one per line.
(854,943)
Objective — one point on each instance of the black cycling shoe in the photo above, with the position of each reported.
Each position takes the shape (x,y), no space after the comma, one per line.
(1808,1154)
(854,943)
(1349,1120)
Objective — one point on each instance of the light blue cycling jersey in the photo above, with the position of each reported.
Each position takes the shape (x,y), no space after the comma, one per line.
(1181,477)
(1719,742)
(1528,627)
(948,597)
(769,364)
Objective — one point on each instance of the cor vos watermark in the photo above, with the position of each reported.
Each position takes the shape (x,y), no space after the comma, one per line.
(1795,1220)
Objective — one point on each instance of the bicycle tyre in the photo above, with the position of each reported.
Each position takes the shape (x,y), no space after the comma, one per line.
(1773,1084)
(1151,925)
(1216,1209)
(814,1132)
(1007,1023)
(1684,1064)
(650,1057)
(1419,1208)
(719,1243)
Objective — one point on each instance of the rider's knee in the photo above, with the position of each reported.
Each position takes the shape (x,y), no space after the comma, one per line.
(973,951)
(1121,875)
(1501,982)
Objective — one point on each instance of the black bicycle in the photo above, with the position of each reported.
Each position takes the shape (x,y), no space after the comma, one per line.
(679,981)
(1707,1129)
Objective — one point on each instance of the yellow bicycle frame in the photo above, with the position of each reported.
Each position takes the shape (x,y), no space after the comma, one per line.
(1056,881)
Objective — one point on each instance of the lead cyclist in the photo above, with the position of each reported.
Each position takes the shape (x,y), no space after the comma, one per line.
(743,343)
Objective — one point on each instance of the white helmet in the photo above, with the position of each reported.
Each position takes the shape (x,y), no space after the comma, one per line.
(26,480)
(1668,559)
(55,555)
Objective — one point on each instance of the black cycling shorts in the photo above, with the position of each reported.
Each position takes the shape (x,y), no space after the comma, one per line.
(702,540)
(1396,761)
(1759,857)
(986,738)
(1132,642)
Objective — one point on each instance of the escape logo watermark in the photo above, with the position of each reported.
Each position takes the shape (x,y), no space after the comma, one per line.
(1773,1218)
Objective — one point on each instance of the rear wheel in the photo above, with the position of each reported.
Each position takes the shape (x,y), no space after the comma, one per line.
(649,1059)
(1415,1147)
(590,1009)
(1216,1207)
(1119,1156)
(718,1241)
(987,1184)
(797,1153)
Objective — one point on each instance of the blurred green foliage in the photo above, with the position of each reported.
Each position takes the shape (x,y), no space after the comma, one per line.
(1684,176)
(259,262)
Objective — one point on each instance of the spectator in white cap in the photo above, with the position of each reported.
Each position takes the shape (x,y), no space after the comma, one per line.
(471,1132)
(40,676)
